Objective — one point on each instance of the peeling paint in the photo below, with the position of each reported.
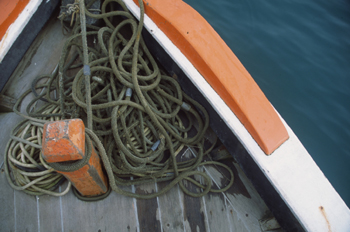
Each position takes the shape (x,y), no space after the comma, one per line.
(146,188)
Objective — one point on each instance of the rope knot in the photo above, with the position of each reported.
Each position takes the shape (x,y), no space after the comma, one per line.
(71,9)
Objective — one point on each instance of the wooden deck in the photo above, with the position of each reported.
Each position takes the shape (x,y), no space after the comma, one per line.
(239,209)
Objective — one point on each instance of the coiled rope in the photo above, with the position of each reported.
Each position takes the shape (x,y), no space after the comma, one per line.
(137,117)
(30,172)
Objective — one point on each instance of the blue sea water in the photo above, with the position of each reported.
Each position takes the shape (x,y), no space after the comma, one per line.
(299,54)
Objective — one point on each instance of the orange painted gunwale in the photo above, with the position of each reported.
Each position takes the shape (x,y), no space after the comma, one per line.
(210,55)
(9,11)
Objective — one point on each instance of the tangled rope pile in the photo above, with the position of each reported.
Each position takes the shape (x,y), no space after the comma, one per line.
(137,117)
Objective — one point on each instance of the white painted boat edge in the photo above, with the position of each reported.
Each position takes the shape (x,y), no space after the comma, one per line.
(290,168)
(16,28)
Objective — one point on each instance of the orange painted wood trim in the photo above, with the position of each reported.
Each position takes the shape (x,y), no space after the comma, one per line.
(65,141)
(90,179)
(210,55)
(9,11)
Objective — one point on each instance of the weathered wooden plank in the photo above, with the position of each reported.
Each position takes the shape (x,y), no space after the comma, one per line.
(7,199)
(147,210)
(193,211)
(115,213)
(7,219)
(215,207)
(243,206)
(217,213)
(171,209)
(218,176)
(41,58)
(243,202)
(7,121)
(215,204)
(50,213)
(240,201)
(26,212)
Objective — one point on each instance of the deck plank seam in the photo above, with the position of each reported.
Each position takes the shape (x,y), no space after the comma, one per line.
(61,211)
(159,210)
(228,216)
(133,190)
(182,208)
(38,212)
(207,227)
(15,211)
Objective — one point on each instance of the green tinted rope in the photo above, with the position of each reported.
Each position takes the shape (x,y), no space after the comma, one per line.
(137,118)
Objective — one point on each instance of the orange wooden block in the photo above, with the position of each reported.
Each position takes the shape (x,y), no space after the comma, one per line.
(65,141)
(90,179)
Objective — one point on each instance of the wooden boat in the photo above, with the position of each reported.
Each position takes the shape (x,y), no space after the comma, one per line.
(277,184)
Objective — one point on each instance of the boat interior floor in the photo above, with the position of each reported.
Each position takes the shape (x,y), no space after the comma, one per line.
(240,208)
